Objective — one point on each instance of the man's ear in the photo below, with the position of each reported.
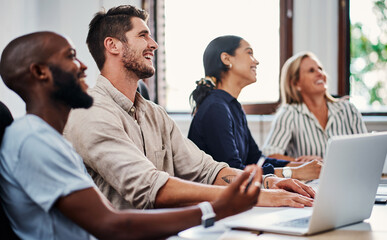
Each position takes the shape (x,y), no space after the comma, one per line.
(225,58)
(40,71)
(112,45)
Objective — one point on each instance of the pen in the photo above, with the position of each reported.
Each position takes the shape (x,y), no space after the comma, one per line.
(251,177)
(252,174)
(261,161)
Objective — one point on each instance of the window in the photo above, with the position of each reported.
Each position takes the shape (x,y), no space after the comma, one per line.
(187,33)
(364,68)
(368,81)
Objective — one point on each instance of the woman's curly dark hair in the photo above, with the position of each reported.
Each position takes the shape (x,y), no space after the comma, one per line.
(203,88)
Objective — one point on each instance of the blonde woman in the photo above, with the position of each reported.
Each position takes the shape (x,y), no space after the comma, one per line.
(309,115)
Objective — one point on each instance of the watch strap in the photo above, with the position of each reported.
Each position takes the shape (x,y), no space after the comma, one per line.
(208,214)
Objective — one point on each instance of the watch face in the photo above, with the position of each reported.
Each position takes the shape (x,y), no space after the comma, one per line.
(209,222)
(287,172)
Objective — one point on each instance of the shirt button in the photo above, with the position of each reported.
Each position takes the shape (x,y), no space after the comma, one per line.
(132,109)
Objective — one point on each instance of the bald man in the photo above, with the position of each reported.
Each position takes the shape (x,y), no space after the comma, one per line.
(46,191)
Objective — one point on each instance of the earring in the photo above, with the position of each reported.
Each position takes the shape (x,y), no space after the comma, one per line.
(230,66)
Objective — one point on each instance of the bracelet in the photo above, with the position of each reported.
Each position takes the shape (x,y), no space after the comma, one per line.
(263,180)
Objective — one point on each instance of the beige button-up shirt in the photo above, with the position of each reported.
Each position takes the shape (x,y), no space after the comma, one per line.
(129,159)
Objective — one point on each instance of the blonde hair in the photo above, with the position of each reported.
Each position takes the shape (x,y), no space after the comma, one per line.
(290,75)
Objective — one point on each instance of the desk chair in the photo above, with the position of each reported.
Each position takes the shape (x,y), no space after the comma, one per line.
(6,231)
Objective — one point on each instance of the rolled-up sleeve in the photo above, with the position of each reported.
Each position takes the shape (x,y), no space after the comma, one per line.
(191,163)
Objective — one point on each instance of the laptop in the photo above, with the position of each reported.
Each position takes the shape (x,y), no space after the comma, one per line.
(346,192)
(385,167)
(381,193)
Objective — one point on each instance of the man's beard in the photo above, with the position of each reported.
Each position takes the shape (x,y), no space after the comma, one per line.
(130,63)
(68,90)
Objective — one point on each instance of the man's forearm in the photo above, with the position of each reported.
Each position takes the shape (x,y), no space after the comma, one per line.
(226,176)
(177,192)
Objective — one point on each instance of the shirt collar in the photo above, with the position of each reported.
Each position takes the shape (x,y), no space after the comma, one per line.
(105,85)
(334,109)
(224,95)
(302,108)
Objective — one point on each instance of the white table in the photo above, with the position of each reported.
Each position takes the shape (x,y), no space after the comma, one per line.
(373,228)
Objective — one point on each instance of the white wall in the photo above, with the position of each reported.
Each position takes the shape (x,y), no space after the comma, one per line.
(66,17)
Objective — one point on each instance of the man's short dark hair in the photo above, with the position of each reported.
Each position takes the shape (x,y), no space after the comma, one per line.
(113,23)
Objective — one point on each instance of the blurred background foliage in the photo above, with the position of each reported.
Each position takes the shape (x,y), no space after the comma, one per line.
(368,79)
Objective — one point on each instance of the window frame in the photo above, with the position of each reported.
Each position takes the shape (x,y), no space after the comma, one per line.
(344,46)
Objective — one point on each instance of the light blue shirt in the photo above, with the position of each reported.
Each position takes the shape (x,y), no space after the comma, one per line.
(38,166)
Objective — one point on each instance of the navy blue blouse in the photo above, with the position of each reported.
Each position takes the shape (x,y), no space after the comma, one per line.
(220,129)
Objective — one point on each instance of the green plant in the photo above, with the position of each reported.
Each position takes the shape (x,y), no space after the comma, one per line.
(370,56)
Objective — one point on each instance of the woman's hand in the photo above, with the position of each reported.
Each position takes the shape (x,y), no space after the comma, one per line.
(308,158)
(291,185)
(282,198)
(307,171)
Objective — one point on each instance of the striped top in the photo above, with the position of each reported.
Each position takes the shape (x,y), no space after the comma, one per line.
(297,132)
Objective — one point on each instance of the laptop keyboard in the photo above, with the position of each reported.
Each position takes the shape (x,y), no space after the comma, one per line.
(299,222)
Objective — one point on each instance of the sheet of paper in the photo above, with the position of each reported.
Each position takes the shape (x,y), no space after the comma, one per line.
(382,189)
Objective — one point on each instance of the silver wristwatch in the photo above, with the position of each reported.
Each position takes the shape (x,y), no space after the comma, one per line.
(208,214)
(287,172)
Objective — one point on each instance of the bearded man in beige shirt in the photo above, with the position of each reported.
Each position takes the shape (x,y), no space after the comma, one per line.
(133,150)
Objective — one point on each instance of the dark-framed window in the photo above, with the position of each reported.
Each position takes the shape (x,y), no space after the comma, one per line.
(348,50)
(286,51)
(158,87)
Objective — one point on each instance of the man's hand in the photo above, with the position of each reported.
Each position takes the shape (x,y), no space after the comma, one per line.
(236,198)
(291,185)
(282,198)
(307,171)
